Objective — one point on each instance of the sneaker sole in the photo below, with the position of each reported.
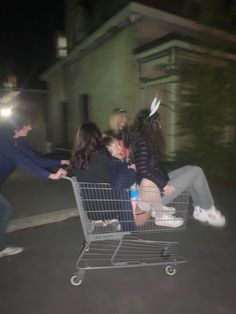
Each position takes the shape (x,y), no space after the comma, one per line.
(211,222)
(11,254)
(217,224)
(170,210)
(165,224)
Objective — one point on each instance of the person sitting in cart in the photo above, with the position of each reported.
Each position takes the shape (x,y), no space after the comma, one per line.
(119,129)
(14,152)
(147,148)
(123,176)
(148,200)
(91,162)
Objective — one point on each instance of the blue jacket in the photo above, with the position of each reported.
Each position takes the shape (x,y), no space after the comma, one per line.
(14,152)
(121,176)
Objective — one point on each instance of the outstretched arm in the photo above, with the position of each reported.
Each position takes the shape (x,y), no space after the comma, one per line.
(11,152)
(43,162)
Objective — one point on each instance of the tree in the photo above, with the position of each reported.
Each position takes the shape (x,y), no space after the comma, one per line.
(208,121)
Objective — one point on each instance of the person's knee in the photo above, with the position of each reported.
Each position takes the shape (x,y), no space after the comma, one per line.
(198,170)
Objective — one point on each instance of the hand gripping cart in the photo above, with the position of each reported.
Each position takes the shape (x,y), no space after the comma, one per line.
(108,224)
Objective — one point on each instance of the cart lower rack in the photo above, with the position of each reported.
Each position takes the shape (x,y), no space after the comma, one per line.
(110,232)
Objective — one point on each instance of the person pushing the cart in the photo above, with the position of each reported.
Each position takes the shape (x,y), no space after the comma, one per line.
(14,152)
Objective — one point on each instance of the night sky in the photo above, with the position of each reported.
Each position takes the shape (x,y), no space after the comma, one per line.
(27,31)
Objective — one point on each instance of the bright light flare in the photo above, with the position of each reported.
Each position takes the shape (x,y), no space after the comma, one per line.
(6,112)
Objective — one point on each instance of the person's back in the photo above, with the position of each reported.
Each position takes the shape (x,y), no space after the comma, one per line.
(90,163)
(96,170)
(148,165)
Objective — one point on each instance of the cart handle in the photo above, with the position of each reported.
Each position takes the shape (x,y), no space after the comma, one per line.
(66,178)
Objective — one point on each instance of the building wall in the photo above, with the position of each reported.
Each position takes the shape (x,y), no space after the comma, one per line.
(108,75)
(35,102)
(99,11)
(56,98)
(159,78)
(111,77)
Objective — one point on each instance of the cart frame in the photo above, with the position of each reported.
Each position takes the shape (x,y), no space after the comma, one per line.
(109,243)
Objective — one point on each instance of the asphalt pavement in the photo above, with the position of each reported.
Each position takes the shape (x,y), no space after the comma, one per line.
(37,202)
(37,281)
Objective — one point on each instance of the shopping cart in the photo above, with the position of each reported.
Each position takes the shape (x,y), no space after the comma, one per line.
(108,225)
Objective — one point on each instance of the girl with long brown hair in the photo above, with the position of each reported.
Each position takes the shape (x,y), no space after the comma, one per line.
(148,149)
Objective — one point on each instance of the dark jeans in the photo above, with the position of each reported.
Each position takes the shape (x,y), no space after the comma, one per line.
(5,214)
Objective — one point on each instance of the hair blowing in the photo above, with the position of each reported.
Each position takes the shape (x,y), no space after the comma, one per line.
(87,140)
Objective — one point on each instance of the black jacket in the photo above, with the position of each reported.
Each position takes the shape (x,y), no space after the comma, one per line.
(103,169)
(97,170)
(148,166)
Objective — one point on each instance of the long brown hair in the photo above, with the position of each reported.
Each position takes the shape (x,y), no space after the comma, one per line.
(149,128)
(87,140)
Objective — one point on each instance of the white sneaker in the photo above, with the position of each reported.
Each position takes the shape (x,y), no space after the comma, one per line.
(99,223)
(114,223)
(215,218)
(111,221)
(11,250)
(168,209)
(200,214)
(166,219)
(105,223)
(212,216)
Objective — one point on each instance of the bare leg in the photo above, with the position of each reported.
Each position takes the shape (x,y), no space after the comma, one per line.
(151,201)
(141,217)
(150,196)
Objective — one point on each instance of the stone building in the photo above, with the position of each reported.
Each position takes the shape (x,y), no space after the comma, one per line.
(134,56)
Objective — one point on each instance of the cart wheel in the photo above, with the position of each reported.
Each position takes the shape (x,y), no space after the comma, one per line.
(75,281)
(170,270)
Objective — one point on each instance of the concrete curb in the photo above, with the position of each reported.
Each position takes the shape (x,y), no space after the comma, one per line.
(42,219)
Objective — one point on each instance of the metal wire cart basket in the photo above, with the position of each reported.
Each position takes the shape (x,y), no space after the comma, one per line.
(109,228)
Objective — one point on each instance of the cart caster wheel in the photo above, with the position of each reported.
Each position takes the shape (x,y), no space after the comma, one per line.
(75,281)
(170,270)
